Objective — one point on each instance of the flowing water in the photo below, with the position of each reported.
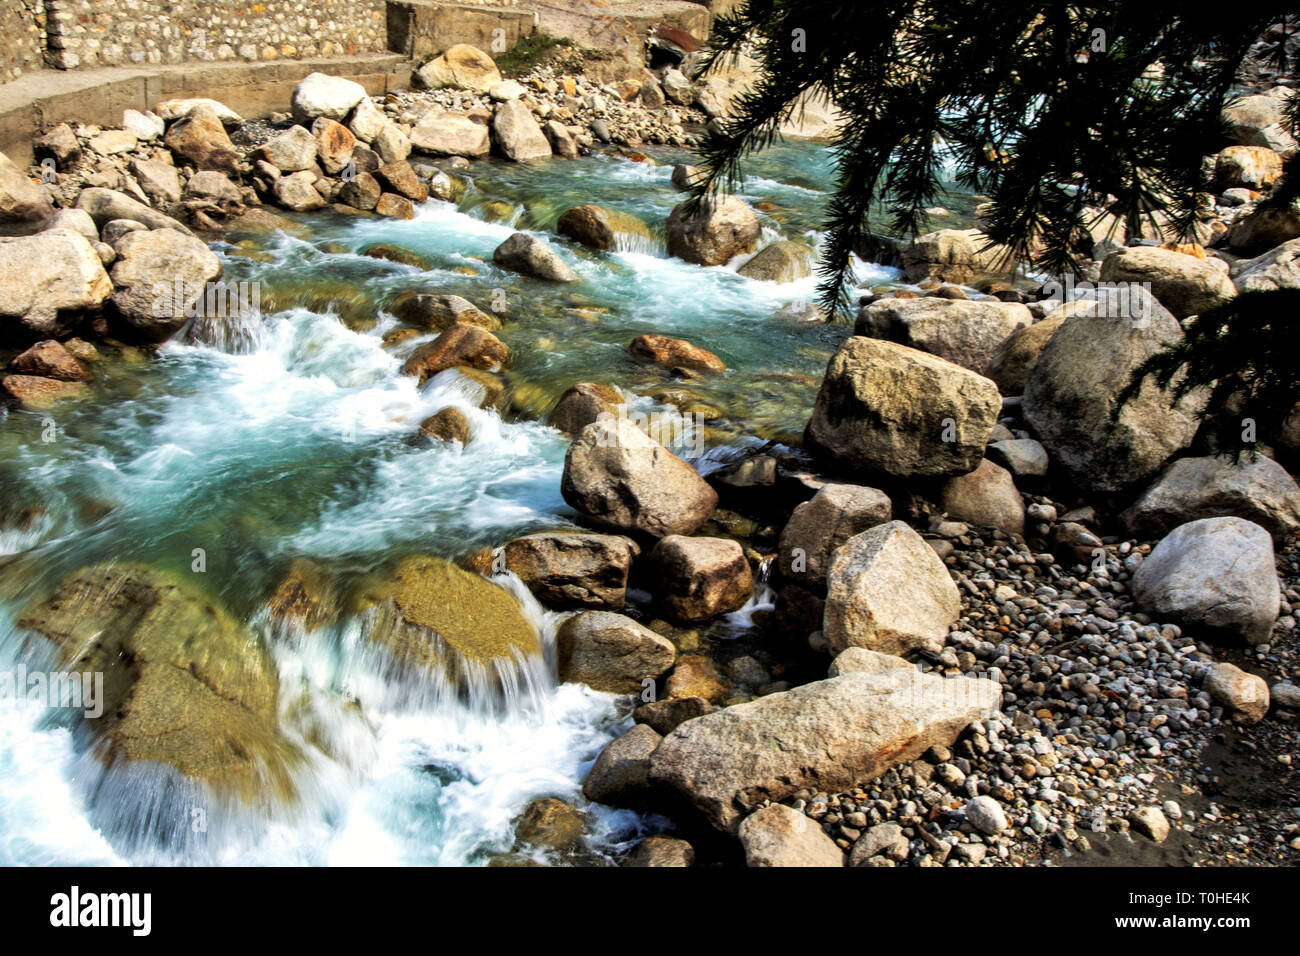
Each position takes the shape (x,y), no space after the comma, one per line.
(290,436)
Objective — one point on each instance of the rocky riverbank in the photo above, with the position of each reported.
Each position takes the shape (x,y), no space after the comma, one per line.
(977,626)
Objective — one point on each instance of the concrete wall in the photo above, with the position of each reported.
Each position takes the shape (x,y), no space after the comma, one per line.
(422,29)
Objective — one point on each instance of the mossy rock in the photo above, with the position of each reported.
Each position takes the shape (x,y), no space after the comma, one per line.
(185,684)
(437,618)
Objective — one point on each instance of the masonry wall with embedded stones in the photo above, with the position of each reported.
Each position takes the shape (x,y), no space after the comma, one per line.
(91,33)
(22,26)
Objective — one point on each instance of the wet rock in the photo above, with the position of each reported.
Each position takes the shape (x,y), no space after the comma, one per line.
(573,570)
(517,135)
(987,496)
(1192,488)
(777,835)
(620,775)
(319,94)
(51,360)
(444,625)
(661,851)
(441,133)
(685,176)
(199,139)
(582,404)
(1072,388)
(400,178)
(440,312)
(562,143)
(46,279)
(617,476)
(37,393)
(305,599)
(361,191)
(1215,576)
(695,677)
(394,206)
(890,409)
(700,578)
(1181,283)
(597,227)
(450,424)
(818,527)
(550,822)
(1244,696)
(888,591)
(611,652)
(197,691)
(782,261)
(674,353)
(719,230)
(461,66)
(833,733)
(531,256)
(459,345)
(160,280)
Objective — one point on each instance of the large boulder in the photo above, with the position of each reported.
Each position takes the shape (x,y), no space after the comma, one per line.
(778,835)
(1072,389)
(825,736)
(582,404)
(781,261)
(517,134)
(187,686)
(440,133)
(319,94)
(160,280)
(1279,268)
(532,257)
(699,578)
(461,66)
(720,229)
(200,139)
(566,569)
(21,200)
(965,333)
(617,476)
(1215,577)
(1248,116)
(105,205)
(1258,490)
(888,591)
(894,410)
(159,181)
(987,496)
(444,626)
(818,527)
(170,110)
(1018,352)
(1023,457)
(611,652)
(953,255)
(1183,284)
(46,279)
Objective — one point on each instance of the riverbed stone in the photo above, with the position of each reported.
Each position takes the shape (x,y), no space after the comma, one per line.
(617,476)
(200,139)
(818,527)
(661,850)
(611,652)
(719,230)
(319,94)
(517,135)
(461,344)
(620,775)
(778,835)
(50,359)
(1243,695)
(461,66)
(21,199)
(597,227)
(531,256)
(582,404)
(780,261)
(888,591)
(159,279)
(1215,577)
(675,353)
(699,578)
(442,133)
(886,408)
(830,734)
(571,569)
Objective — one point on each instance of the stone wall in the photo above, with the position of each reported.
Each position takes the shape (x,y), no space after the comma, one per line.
(22,26)
(90,33)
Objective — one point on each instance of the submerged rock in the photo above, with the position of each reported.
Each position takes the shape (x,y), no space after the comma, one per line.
(675,353)
(459,345)
(597,227)
(532,257)
(185,684)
